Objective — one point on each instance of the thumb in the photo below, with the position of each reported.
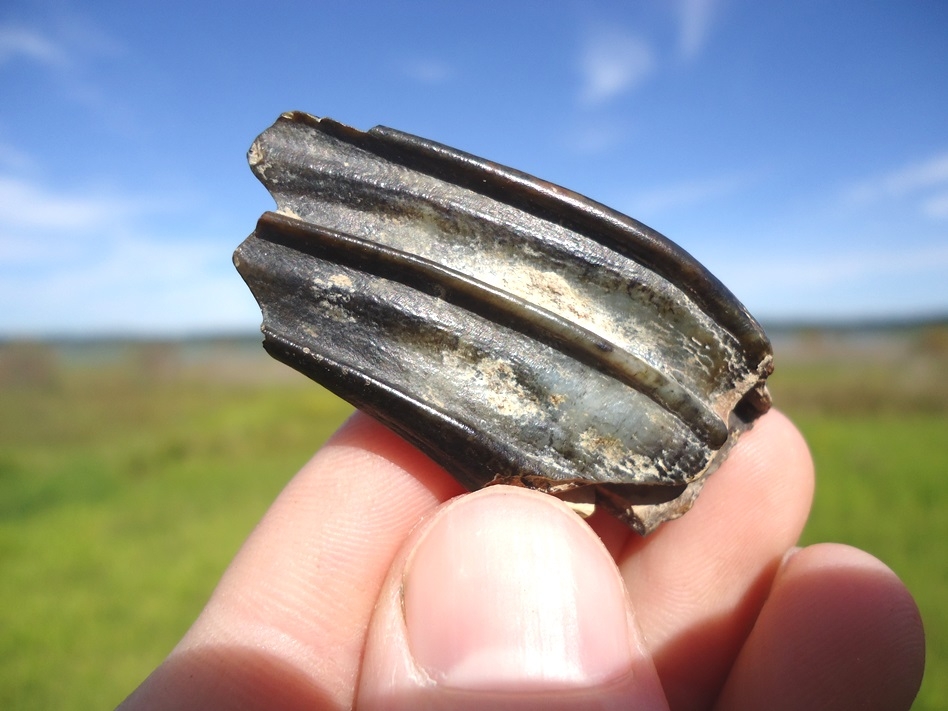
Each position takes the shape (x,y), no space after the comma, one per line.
(505,598)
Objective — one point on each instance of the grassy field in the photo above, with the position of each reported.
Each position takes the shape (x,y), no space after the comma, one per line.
(874,410)
(130,474)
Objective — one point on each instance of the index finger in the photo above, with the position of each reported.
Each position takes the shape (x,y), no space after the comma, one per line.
(285,627)
(698,583)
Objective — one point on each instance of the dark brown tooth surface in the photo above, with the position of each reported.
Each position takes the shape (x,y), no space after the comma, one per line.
(513,330)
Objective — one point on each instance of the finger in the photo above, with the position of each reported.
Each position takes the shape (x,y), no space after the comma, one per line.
(839,631)
(285,627)
(505,598)
(699,582)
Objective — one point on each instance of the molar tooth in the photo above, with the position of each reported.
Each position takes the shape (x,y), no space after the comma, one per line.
(515,331)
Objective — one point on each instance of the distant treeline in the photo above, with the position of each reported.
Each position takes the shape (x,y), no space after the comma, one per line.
(787,326)
(863,325)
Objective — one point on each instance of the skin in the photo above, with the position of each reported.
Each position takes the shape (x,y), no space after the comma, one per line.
(351,593)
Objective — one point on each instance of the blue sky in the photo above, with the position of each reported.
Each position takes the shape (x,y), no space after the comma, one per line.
(799,149)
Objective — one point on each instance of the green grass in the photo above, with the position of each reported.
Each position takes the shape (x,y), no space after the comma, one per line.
(876,421)
(881,487)
(122,499)
(129,478)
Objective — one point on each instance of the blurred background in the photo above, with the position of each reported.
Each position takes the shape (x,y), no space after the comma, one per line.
(798,149)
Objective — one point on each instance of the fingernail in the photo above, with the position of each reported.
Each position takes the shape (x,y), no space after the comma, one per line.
(789,555)
(510,590)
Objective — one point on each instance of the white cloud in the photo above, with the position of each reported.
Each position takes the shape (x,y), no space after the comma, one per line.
(24,42)
(87,39)
(917,176)
(130,284)
(663,199)
(25,205)
(13,158)
(592,137)
(43,230)
(427,71)
(62,45)
(816,270)
(937,205)
(69,48)
(695,19)
(850,267)
(87,263)
(20,249)
(923,182)
(839,283)
(612,62)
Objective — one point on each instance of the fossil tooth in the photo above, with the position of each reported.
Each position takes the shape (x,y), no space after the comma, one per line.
(513,330)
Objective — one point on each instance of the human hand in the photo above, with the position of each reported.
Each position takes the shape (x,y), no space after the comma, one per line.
(505,598)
